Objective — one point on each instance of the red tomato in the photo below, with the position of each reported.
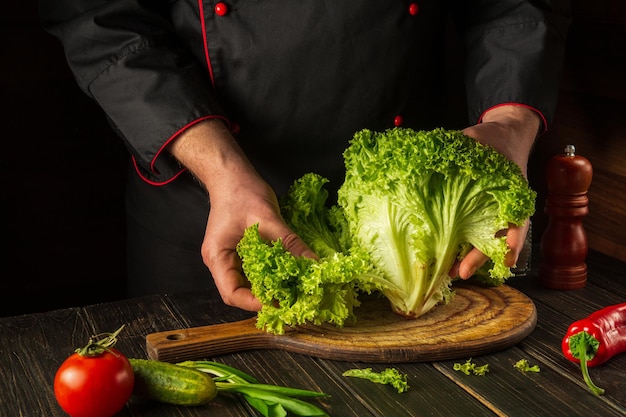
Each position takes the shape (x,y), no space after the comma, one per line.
(94,386)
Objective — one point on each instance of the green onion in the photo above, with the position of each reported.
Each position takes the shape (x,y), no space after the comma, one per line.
(269,400)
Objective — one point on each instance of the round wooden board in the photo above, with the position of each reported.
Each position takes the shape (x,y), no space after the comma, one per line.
(477,321)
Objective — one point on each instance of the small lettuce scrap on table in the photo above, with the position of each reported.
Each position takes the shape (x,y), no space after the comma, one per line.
(470,368)
(389,376)
(412,203)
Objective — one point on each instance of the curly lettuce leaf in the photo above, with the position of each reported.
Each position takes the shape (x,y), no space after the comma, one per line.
(299,290)
(416,200)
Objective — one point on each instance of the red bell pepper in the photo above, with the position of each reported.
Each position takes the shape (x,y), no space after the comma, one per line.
(595,339)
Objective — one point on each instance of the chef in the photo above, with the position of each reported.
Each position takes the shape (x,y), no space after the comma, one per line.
(222,105)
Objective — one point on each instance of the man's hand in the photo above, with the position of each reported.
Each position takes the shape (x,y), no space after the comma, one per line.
(237,204)
(512,131)
(239,198)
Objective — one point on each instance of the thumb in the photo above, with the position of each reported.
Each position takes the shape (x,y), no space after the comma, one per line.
(297,247)
(291,241)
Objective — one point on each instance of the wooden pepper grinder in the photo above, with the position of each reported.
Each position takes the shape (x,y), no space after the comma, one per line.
(564,242)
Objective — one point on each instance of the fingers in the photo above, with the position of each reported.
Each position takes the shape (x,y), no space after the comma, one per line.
(472,261)
(232,285)
(454,271)
(230,282)
(219,253)
(515,239)
(235,292)
(220,256)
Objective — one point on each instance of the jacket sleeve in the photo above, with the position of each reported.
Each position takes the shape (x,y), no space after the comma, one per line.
(514,53)
(122,55)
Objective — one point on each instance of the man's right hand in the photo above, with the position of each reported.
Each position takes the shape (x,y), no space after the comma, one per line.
(239,198)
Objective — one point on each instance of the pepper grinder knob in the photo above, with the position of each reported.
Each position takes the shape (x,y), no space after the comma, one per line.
(564,241)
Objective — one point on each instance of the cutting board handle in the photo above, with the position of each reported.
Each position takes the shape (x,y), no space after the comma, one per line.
(206,341)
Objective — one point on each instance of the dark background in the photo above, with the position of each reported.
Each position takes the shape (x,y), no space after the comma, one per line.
(63,176)
(63,169)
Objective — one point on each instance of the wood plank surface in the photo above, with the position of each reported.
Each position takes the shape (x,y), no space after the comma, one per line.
(33,346)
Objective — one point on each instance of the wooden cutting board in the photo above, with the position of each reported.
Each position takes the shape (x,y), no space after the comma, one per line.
(478,320)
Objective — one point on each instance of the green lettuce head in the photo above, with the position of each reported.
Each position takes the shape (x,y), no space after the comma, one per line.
(412,203)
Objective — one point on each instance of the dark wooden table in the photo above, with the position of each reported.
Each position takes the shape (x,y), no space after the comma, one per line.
(33,346)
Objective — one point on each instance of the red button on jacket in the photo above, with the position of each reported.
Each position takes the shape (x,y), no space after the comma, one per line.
(221,9)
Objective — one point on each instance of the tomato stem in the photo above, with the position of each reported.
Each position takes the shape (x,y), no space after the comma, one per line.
(100,343)
(582,356)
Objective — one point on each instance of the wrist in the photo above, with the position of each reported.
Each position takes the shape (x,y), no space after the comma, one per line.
(522,124)
(523,119)
(209,152)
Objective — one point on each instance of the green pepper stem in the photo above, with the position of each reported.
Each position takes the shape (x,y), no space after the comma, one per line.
(582,355)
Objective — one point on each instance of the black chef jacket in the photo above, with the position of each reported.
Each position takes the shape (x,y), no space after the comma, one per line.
(293,79)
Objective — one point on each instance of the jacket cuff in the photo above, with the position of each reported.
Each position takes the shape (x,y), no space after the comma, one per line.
(164,168)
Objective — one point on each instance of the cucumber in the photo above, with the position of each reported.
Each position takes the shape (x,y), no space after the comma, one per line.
(172,384)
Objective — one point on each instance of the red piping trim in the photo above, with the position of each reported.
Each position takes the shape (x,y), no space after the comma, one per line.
(543,119)
(204,41)
(158,184)
(208,62)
